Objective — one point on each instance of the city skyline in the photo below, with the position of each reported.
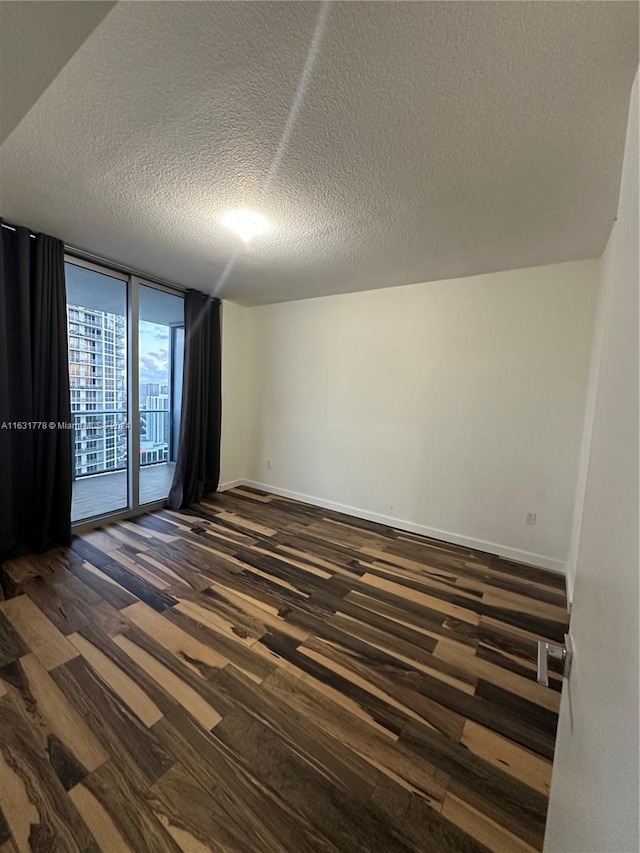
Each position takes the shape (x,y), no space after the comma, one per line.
(97,373)
(97,367)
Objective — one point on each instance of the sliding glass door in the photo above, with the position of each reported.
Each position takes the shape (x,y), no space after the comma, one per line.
(160,390)
(98,330)
(125,366)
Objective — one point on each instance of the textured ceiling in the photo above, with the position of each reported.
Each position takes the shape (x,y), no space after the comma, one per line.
(36,40)
(388,143)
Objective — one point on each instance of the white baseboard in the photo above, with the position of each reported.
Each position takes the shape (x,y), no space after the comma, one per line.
(223,487)
(515,554)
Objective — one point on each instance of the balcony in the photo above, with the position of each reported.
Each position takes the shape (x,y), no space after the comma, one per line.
(97,494)
(100,441)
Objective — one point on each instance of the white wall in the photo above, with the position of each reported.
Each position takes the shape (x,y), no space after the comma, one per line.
(595,791)
(235,400)
(451,408)
(587,432)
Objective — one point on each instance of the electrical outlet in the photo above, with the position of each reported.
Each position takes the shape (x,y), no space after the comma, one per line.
(268,463)
(531,518)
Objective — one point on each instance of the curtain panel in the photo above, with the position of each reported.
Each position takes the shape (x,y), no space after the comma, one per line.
(198,463)
(35,410)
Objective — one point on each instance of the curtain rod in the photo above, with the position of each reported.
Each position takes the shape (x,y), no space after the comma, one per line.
(114,265)
(15,228)
(83,254)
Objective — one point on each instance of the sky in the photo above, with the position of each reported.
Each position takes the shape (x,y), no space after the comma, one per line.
(154,353)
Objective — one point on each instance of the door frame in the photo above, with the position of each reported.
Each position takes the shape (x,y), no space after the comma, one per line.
(133,282)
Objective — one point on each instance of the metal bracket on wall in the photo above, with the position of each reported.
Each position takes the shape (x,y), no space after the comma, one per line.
(547,650)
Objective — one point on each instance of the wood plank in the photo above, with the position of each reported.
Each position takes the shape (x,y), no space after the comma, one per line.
(424,828)
(375,704)
(68,604)
(12,646)
(479,826)
(38,632)
(192,816)
(317,705)
(414,656)
(194,654)
(253,815)
(526,688)
(140,588)
(139,570)
(21,569)
(501,797)
(130,744)
(44,705)
(121,684)
(209,617)
(19,812)
(39,813)
(431,623)
(313,744)
(185,695)
(408,701)
(102,539)
(246,524)
(348,822)
(240,655)
(108,589)
(262,615)
(513,759)
(5,829)
(101,824)
(160,569)
(107,619)
(124,812)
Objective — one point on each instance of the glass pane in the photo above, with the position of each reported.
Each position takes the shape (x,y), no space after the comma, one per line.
(97,327)
(160,384)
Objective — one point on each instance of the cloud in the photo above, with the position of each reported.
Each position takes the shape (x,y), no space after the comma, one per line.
(154,360)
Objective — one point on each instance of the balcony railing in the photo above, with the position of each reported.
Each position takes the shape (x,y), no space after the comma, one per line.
(101,440)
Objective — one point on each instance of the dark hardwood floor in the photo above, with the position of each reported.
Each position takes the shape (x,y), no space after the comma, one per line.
(262,675)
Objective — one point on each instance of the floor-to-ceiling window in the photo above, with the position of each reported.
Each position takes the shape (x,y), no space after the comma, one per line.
(160,390)
(125,365)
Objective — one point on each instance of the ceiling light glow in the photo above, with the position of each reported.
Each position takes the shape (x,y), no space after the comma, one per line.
(245,223)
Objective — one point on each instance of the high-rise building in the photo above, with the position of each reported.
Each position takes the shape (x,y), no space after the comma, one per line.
(149,389)
(97,345)
(157,423)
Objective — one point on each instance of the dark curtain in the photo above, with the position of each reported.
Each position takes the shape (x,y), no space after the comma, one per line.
(198,464)
(35,460)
